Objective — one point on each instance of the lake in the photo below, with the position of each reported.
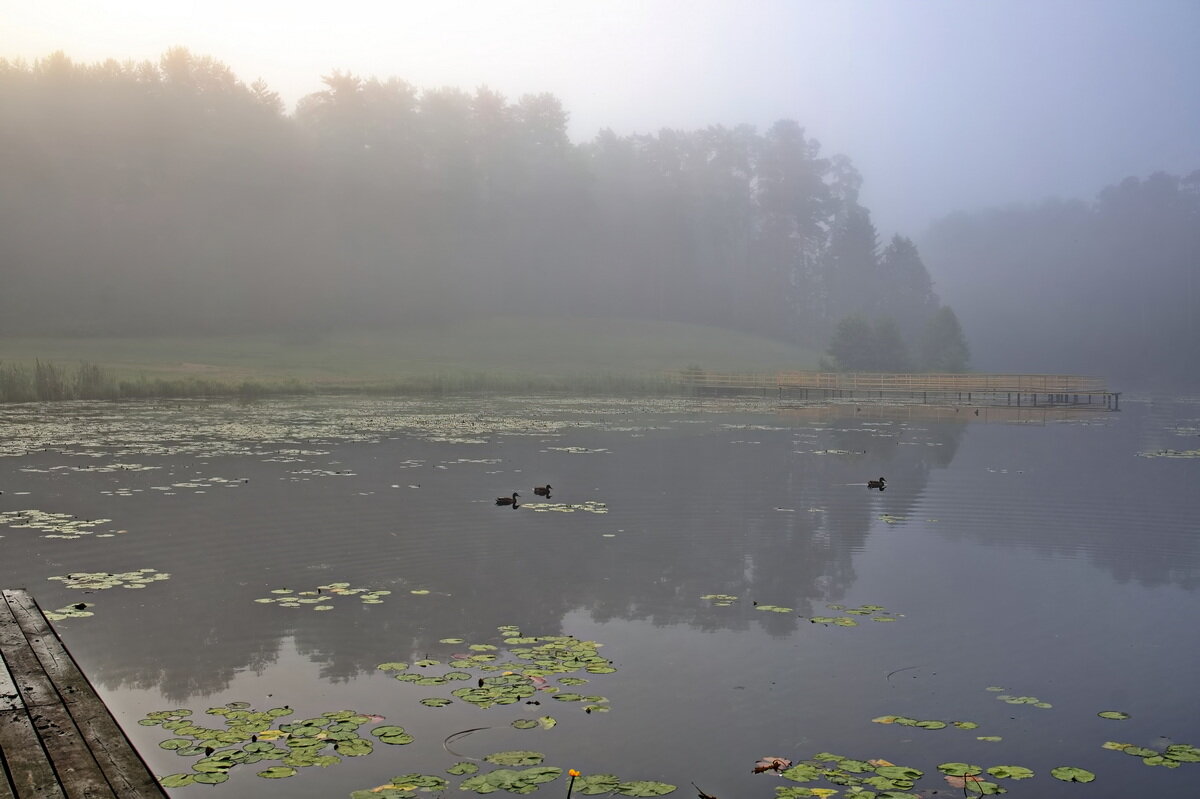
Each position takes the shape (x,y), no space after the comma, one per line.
(747,595)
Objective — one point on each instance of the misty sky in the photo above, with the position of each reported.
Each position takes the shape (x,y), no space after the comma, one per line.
(942,105)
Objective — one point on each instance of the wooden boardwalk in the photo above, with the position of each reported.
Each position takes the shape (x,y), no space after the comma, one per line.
(57,739)
(968,387)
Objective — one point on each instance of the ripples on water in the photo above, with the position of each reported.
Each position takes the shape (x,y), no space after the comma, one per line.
(1047,554)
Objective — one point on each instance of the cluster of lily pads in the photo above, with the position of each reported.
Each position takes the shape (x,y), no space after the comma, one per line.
(77,611)
(1019,700)
(305,474)
(513,779)
(1173,756)
(250,737)
(99,581)
(105,468)
(320,597)
(270,430)
(513,676)
(720,600)
(875,612)
(1171,453)
(928,724)
(200,485)
(877,779)
(560,507)
(56,525)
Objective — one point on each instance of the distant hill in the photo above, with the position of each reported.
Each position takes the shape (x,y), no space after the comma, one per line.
(513,346)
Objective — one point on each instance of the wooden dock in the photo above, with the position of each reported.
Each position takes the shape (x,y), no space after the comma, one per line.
(57,738)
(966,388)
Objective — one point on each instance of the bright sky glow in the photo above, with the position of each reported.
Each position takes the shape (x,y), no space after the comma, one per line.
(942,104)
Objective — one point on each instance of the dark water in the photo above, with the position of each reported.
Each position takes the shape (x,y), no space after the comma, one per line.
(1041,554)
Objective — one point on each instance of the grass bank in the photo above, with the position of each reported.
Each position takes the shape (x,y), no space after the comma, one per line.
(512,355)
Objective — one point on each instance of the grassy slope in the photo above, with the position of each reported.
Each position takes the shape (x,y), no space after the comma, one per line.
(508,345)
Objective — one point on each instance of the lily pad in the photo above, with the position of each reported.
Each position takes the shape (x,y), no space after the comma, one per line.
(357,747)
(423,782)
(801,772)
(644,788)
(596,784)
(392,734)
(1072,774)
(1010,772)
(515,758)
(278,772)
(960,769)
(1116,715)
(1183,753)
(899,773)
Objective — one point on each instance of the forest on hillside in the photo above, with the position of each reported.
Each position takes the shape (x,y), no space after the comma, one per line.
(1108,287)
(147,198)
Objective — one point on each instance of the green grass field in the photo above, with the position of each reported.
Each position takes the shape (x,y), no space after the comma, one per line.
(498,352)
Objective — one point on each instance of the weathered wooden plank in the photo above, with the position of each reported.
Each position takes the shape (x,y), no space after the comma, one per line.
(67,681)
(25,762)
(32,684)
(122,766)
(78,772)
(6,788)
(115,756)
(10,698)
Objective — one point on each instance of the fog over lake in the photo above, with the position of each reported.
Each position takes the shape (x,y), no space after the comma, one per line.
(737,400)
(1046,557)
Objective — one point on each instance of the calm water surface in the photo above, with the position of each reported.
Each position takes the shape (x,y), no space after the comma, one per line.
(1046,555)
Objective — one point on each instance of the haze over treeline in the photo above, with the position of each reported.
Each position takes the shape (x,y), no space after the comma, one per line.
(1108,287)
(172,197)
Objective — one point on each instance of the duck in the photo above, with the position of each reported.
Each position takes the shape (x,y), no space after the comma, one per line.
(880,483)
(508,500)
(542,491)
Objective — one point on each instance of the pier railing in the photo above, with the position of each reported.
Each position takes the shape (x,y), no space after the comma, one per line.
(1011,388)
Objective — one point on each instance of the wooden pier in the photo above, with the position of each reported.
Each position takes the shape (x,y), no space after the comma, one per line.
(966,388)
(57,738)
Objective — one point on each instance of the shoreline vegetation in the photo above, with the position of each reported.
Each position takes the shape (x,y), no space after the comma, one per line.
(51,382)
(503,355)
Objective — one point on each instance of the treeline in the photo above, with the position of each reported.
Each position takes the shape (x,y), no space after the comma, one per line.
(142,198)
(1108,287)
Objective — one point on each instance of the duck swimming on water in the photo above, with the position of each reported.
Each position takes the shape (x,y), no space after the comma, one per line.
(508,500)
(542,491)
(880,483)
